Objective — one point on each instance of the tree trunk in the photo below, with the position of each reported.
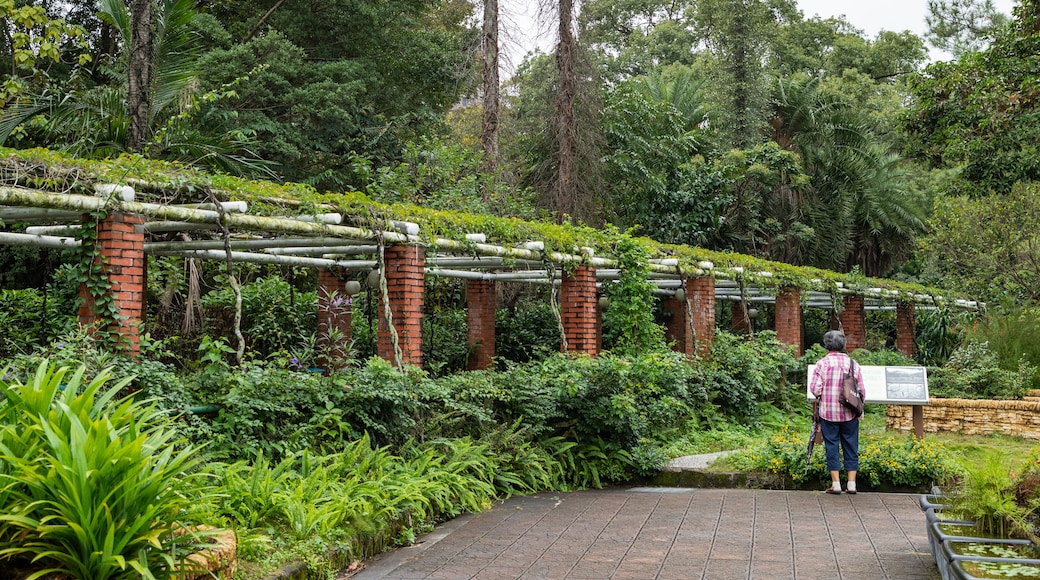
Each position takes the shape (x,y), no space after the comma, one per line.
(489,125)
(140,72)
(565,193)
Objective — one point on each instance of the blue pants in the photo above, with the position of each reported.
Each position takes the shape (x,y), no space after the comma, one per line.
(847,433)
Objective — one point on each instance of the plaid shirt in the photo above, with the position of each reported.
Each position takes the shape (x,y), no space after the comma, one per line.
(826,386)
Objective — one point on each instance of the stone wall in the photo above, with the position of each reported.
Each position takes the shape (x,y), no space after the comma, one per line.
(971,417)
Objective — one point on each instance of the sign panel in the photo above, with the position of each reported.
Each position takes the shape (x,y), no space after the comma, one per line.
(897,385)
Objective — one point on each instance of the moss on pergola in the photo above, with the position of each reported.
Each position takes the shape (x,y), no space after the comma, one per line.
(172,183)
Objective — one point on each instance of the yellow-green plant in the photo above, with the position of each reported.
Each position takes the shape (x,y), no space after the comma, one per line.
(94,486)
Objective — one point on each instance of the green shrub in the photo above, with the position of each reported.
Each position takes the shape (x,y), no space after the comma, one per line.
(29,318)
(1011,337)
(265,407)
(884,460)
(747,370)
(973,372)
(528,332)
(92,486)
(275,317)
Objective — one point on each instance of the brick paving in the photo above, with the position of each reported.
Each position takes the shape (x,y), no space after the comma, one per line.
(675,533)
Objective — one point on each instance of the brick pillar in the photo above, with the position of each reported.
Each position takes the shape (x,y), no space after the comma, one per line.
(789,318)
(854,323)
(906,329)
(404,285)
(120,243)
(700,295)
(738,324)
(676,329)
(578,310)
(335,307)
(480,317)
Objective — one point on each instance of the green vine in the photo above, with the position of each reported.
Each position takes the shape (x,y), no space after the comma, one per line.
(631,311)
(167,182)
(91,272)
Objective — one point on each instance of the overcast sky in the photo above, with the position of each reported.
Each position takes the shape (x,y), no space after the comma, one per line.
(870,16)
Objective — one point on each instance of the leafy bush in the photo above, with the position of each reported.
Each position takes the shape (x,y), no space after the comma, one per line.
(1011,338)
(882,358)
(526,333)
(747,370)
(93,487)
(28,319)
(360,500)
(973,372)
(269,409)
(274,316)
(883,460)
(445,341)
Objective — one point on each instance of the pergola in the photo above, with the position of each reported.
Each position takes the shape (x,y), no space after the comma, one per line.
(403,257)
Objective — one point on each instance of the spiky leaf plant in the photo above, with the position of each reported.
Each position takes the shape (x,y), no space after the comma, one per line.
(91,485)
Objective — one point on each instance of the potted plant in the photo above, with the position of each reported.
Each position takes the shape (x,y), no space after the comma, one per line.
(993,526)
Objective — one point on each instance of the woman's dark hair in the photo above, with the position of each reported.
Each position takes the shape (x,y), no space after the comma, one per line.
(834,341)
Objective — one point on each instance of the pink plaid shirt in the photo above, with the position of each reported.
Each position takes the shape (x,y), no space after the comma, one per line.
(826,386)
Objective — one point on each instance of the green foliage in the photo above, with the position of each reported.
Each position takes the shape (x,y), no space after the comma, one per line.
(961,26)
(275,316)
(265,407)
(30,318)
(745,371)
(938,335)
(979,112)
(884,460)
(629,320)
(390,405)
(974,372)
(94,486)
(439,175)
(1010,336)
(985,495)
(881,358)
(527,332)
(388,71)
(623,401)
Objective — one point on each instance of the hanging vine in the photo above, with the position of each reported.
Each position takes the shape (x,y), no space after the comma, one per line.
(240,341)
(554,301)
(384,292)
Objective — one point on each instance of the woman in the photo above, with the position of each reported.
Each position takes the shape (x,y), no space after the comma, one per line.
(837,423)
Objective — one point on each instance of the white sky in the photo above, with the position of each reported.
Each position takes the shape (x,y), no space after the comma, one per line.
(870,16)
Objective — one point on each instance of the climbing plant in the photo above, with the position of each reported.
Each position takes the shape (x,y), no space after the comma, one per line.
(630,316)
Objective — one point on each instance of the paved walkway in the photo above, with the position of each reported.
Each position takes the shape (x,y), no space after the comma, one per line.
(644,533)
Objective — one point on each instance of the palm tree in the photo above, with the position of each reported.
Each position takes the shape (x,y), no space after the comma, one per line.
(96,121)
(857,207)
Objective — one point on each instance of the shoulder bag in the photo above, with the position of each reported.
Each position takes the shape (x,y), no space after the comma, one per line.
(850,391)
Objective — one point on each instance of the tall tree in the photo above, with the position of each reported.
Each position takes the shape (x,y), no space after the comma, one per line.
(140,73)
(565,194)
(981,113)
(490,85)
(738,33)
(960,26)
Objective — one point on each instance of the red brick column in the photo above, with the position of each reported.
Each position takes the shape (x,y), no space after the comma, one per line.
(906,329)
(854,323)
(335,307)
(404,284)
(738,324)
(120,244)
(789,318)
(700,295)
(676,330)
(578,310)
(480,317)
